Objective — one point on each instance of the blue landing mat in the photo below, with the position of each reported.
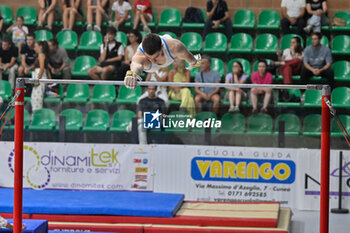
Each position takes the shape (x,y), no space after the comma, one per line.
(32,226)
(126,203)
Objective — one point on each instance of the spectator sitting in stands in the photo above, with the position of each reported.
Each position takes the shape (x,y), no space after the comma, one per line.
(100,9)
(143,12)
(19,32)
(121,10)
(70,11)
(134,39)
(317,61)
(217,13)
(234,94)
(160,75)
(151,103)
(58,60)
(180,74)
(206,75)
(46,12)
(111,55)
(28,56)
(8,56)
(261,77)
(40,72)
(293,13)
(291,60)
(317,9)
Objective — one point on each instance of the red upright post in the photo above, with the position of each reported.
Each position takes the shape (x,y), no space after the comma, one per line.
(18,181)
(325,158)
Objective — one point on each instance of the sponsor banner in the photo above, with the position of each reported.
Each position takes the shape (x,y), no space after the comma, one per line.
(309,170)
(208,173)
(77,166)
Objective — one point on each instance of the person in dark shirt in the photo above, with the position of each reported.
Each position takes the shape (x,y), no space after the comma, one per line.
(317,9)
(8,55)
(151,103)
(27,55)
(217,13)
(111,55)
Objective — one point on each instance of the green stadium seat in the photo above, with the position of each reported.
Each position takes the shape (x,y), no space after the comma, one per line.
(77,93)
(122,38)
(244,19)
(218,65)
(341,71)
(196,25)
(81,66)
(324,41)
(312,125)
(341,97)
(291,124)
(285,41)
(96,121)
(202,116)
(290,104)
(215,42)
(6,13)
(241,43)
(121,120)
(173,35)
(245,63)
(5,90)
(345,15)
(44,35)
(67,40)
(170,18)
(259,124)
(177,116)
(192,41)
(313,99)
(335,130)
(266,43)
(268,19)
(43,119)
(74,119)
(232,124)
(341,45)
(90,41)
(103,94)
(12,120)
(29,14)
(128,96)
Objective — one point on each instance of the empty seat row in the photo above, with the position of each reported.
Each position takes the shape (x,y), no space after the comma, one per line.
(257,124)
(172,18)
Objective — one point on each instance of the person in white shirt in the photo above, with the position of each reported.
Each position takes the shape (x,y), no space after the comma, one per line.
(19,32)
(293,12)
(121,10)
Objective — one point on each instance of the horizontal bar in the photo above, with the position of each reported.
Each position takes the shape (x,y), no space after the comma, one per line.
(121,83)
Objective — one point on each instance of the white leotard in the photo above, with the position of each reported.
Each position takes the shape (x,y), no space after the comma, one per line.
(168,57)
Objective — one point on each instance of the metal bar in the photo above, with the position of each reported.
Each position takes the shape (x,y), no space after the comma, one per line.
(325,161)
(121,83)
(18,176)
